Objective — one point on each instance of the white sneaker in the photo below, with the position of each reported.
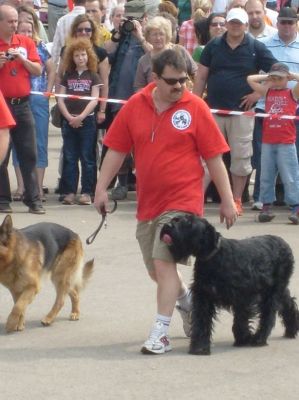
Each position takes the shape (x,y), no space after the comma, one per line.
(186,317)
(257,206)
(157,342)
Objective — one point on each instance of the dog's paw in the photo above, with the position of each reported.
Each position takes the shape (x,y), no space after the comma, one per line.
(74,316)
(46,322)
(200,351)
(243,342)
(20,327)
(257,342)
(11,325)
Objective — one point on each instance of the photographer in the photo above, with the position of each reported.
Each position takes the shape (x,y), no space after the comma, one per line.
(19,60)
(125,48)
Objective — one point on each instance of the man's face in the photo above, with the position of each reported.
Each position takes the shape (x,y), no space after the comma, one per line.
(93,11)
(104,7)
(256,14)
(170,91)
(9,23)
(287,29)
(235,28)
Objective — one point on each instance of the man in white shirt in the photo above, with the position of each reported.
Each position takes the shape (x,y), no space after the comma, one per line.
(256,20)
(63,28)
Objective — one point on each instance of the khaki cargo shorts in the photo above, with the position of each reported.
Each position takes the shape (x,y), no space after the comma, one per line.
(238,132)
(148,236)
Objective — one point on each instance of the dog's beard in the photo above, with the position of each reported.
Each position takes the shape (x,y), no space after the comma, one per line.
(171,236)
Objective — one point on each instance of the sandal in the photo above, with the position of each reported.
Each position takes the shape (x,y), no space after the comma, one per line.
(17,196)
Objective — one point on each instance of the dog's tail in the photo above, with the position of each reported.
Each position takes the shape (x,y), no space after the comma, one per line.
(87,272)
(289,314)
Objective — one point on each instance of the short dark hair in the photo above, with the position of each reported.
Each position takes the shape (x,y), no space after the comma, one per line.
(172,58)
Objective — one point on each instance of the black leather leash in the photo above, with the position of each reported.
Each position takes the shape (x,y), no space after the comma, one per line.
(92,237)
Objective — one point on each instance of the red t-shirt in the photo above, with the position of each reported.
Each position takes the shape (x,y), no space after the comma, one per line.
(275,130)
(167,150)
(14,77)
(6,119)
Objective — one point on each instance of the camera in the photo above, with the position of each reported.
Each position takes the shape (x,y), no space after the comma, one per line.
(127,26)
(9,56)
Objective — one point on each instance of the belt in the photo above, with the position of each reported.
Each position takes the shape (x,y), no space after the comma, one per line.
(56,5)
(16,100)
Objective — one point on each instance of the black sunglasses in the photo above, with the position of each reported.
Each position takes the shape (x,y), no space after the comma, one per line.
(287,22)
(173,81)
(87,30)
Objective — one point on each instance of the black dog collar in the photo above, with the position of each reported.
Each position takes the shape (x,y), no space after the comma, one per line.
(213,252)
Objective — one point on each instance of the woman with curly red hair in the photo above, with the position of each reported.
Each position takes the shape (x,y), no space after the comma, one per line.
(79,130)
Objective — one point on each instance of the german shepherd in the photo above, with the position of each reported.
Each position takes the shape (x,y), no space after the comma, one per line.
(25,254)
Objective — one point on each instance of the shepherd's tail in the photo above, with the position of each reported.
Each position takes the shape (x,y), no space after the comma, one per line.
(289,314)
(87,272)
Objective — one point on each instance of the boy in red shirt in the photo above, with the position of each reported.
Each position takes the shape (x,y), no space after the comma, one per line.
(279,153)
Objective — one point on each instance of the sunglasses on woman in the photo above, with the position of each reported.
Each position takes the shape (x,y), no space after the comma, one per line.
(81,30)
(214,24)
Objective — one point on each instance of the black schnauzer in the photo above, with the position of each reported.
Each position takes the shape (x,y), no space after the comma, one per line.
(248,277)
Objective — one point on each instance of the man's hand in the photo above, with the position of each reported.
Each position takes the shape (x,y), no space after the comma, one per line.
(228,212)
(249,100)
(15,54)
(138,30)
(101,201)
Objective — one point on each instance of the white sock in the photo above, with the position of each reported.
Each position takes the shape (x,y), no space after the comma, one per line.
(185,300)
(164,320)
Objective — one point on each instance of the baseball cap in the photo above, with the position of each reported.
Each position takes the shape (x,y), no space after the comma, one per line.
(238,14)
(279,69)
(287,13)
(135,8)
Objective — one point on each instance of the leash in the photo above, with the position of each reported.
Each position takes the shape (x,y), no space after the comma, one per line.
(92,237)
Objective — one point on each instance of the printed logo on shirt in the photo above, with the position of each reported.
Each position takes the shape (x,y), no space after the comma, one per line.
(181,119)
(81,85)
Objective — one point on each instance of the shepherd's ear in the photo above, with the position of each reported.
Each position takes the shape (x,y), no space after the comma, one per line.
(6,227)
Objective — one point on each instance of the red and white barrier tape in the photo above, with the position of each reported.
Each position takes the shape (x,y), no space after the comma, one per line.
(213,110)
(75,97)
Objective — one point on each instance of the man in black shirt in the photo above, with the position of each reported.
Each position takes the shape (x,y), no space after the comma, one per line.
(224,66)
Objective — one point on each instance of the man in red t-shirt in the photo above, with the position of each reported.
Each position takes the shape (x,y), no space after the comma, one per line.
(6,122)
(169,130)
(18,61)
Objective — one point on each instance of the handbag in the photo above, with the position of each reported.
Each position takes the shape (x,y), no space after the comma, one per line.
(56,116)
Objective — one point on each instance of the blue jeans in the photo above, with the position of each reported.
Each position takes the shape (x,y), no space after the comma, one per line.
(282,159)
(40,110)
(79,144)
(257,149)
(256,156)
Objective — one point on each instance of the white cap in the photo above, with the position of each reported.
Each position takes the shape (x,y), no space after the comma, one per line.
(237,13)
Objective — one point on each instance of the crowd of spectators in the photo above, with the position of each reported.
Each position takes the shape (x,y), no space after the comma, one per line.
(222,41)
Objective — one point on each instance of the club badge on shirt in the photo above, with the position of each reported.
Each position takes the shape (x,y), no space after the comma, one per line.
(181,119)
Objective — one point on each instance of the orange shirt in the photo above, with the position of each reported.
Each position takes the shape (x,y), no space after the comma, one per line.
(6,119)
(14,77)
(167,150)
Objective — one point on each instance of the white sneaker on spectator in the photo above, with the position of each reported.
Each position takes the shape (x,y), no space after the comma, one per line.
(157,342)
(186,317)
(257,206)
